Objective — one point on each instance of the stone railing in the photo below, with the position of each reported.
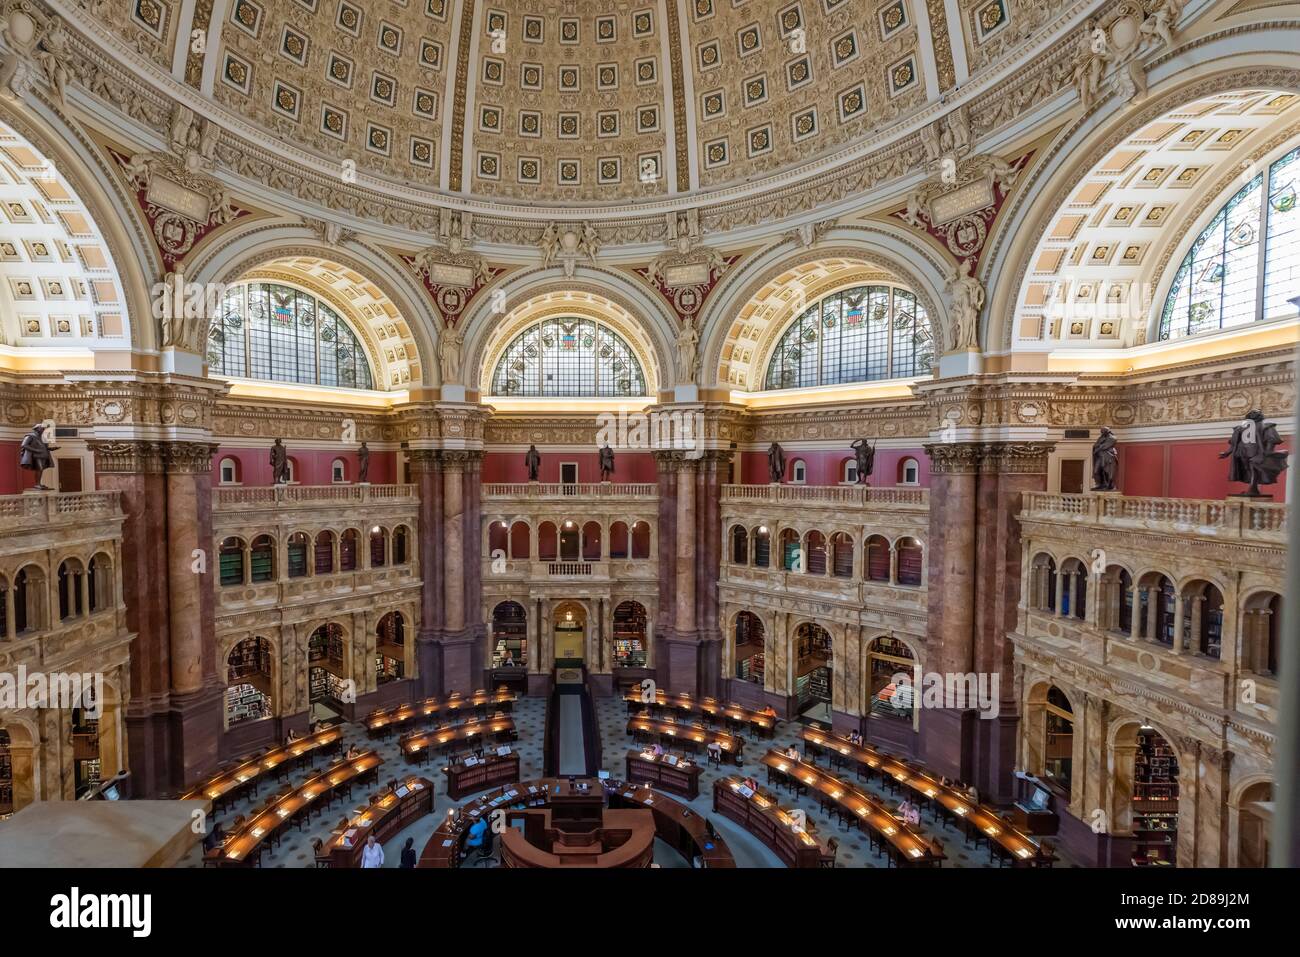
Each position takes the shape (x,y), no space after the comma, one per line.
(310,496)
(827,496)
(497,491)
(32,511)
(1230,519)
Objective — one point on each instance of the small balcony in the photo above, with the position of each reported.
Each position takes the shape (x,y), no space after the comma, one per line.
(1235,520)
(278,497)
(828,496)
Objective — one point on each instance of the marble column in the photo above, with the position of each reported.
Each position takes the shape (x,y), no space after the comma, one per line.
(946,735)
(134,469)
(666,545)
(1006,472)
(426,472)
(459,666)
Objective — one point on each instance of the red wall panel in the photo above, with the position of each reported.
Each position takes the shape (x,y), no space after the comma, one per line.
(1190,469)
(826,466)
(312,466)
(629,467)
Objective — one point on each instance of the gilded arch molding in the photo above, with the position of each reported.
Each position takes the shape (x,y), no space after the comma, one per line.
(1075,154)
(259,246)
(906,260)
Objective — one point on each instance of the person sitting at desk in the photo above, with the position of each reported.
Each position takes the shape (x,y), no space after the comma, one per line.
(408,853)
(792,752)
(658,749)
(215,837)
(854,737)
(352,754)
(973,794)
(373,855)
(714,748)
(477,831)
(293,736)
(509,661)
(770,711)
(751,784)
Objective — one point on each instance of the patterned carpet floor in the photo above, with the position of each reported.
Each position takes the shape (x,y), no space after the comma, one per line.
(530,717)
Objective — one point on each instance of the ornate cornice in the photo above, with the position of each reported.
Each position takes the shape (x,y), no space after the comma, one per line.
(127,458)
(988,458)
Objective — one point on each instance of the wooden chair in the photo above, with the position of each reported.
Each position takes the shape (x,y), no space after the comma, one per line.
(317,846)
(828,856)
(1046,855)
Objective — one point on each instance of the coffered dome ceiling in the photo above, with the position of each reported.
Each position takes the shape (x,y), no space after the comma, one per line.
(561,101)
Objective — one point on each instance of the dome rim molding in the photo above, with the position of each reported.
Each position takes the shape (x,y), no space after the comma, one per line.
(794,185)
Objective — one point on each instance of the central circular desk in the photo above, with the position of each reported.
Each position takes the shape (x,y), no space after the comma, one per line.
(558,823)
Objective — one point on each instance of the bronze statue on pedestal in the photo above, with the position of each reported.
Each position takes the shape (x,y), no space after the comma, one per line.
(363,464)
(1252,450)
(606,463)
(534,462)
(866,458)
(36,455)
(279,463)
(1105,461)
(775,464)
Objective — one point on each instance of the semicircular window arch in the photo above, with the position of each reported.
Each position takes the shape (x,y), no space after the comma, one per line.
(1244,266)
(269,330)
(859,334)
(568,356)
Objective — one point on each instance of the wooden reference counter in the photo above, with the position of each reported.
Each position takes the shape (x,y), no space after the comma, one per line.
(479,773)
(682,735)
(665,771)
(389,813)
(243,848)
(906,848)
(417,745)
(384,720)
(980,822)
(624,838)
(227,785)
(759,721)
(759,813)
(575,810)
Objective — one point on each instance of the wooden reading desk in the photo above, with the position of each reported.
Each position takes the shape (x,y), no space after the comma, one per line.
(385,720)
(759,813)
(674,823)
(686,736)
(225,786)
(667,772)
(244,846)
(473,773)
(760,722)
(904,846)
(388,813)
(417,745)
(981,823)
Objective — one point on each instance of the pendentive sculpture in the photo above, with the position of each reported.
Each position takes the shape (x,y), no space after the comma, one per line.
(36,455)
(606,463)
(1252,449)
(363,464)
(279,463)
(775,464)
(866,457)
(534,462)
(1105,461)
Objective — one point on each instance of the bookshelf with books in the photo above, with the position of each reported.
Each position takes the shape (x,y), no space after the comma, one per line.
(1155,802)
(244,702)
(749,657)
(629,635)
(6,776)
(509,634)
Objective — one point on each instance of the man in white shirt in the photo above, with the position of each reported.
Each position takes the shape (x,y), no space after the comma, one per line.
(373,855)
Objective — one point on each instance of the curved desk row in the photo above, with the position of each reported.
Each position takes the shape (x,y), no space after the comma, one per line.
(980,823)
(383,721)
(904,846)
(759,812)
(226,786)
(389,813)
(689,737)
(418,745)
(760,722)
(244,846)
(674,823)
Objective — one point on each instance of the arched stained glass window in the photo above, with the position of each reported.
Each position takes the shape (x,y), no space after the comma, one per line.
(1245,265)
(271,331)
(568,357)
(854,335)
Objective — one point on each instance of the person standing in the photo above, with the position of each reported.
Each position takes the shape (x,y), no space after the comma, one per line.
(373,855)
(408,854)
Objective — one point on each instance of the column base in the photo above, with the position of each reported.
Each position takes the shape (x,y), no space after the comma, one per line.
(895,736)
(147,736)
(195,720)
(947,742)
(995,749)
